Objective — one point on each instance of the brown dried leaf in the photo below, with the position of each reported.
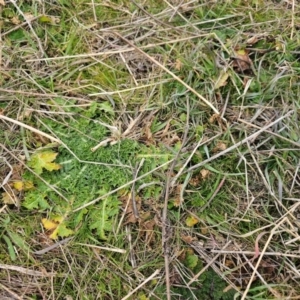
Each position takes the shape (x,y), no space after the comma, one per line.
(178,200)
(204,230)
(148,228)
(253,39)
(7,198)
(178,64)
(175,278)
(40,139)
(241,60)
(195,181)
(148,132)
(130,216)
(148,136)
(29,17)
(16,173)
(15,20)
(171,139)
(214,118)
(187,238)
(204,174)
(219,147)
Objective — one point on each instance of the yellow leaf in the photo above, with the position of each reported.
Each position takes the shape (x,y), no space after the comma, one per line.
(19,185)
(191,221)
(48,224)
(143,297)
(241,52)
(279,46)
(62,231)
(222,80)
(54,235)
(23,185)
(28,185)
(57,227)
(58,219)
(43,160)
(45,19)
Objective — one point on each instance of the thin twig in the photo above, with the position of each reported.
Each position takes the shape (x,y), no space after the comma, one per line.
(117,250)
(245,140)
(183,168)
(57,244)
(273,231)
(48,95)
(165,223)
(210,261)
(3,287)
(272,133)
(123,50)
(26,271)
(169,72)
(30,128)
(140,285)
(131,89)
(254,253)
(292,20)
(7,177)
(249,263)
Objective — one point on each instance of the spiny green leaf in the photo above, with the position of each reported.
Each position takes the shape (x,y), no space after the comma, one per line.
(35,200)
(191,261)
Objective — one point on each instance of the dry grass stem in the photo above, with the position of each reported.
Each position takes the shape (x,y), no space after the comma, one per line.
(26,271)
(103,248)
(245,140)
(51,138)
(140,285)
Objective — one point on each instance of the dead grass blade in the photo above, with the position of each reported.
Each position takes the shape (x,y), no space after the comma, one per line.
(26,271)
(169,72)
